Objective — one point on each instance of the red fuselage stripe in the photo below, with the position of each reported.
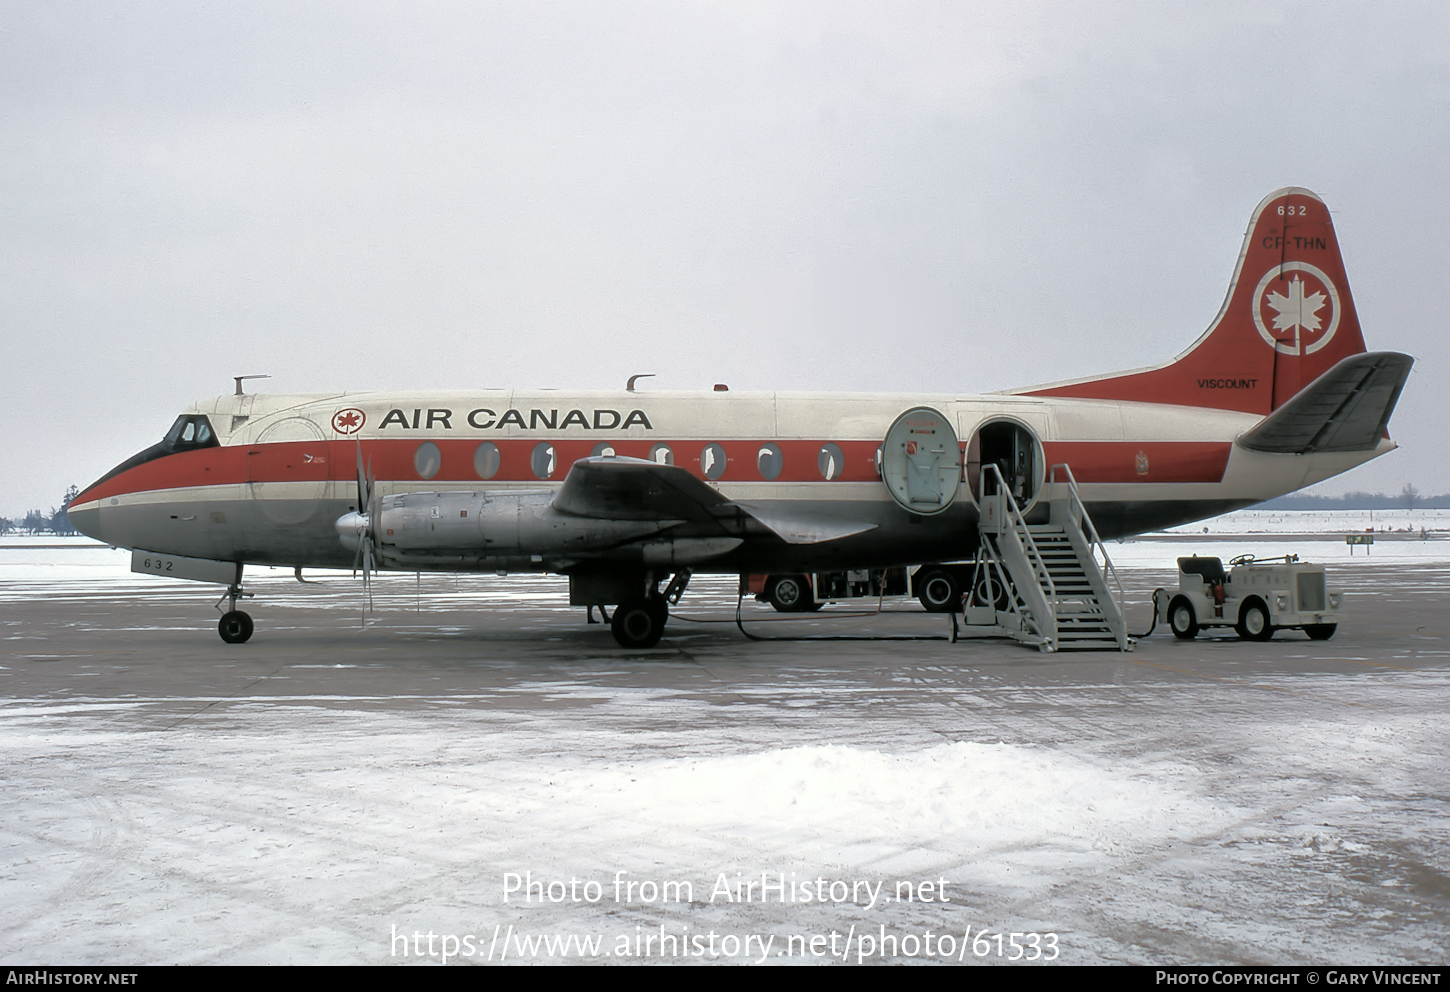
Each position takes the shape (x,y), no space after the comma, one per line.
(394,461)
(1141,461)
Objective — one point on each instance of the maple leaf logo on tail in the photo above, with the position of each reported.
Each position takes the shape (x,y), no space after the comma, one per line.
(1296,310)
(1299,326)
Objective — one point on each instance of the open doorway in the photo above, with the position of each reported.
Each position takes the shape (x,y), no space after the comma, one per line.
(1016,452)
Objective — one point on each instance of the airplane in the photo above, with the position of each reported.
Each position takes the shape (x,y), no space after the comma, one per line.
(621,491)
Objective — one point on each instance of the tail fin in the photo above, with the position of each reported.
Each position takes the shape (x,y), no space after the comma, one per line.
(1287,319)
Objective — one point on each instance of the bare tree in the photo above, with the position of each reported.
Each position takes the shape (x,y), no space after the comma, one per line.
(1409,495)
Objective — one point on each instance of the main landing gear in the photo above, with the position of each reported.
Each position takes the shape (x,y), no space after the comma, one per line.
(640,623)
(235,627)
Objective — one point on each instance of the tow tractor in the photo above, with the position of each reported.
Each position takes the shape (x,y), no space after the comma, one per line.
(1256,597)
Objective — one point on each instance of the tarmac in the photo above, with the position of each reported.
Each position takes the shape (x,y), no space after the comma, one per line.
(478,764)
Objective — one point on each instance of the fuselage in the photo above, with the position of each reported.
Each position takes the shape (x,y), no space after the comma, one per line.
(274,473)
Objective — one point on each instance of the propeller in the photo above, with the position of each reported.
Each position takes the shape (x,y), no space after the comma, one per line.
(357,529)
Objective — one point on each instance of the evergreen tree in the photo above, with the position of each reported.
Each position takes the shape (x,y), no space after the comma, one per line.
(59,520)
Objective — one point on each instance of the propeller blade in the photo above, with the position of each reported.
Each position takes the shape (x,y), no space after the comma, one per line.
(371,544)
(368,550)
(361,490)
(375,513)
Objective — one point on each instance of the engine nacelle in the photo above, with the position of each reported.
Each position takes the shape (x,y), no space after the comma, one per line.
(487,526)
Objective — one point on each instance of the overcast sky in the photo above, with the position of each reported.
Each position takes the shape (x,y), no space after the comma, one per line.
(903,197)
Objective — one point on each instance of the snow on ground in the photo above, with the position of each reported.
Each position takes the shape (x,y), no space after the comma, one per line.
(311,797)
(1387,521)
(313,829)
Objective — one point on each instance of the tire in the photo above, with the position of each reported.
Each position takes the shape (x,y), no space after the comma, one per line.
(1182,619)
(235,627)
(1254,623)
(1320,631)
(938,591)
(639,624)
(997,601)
(791,594)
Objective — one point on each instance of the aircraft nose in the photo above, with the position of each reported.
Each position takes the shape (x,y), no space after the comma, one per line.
(87,520)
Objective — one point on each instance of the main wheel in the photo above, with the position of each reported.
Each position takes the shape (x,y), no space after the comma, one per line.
(639,624)
(938,591)
(1182,619)
(235,627)
(791,594)
(1320,631)
(1254,624)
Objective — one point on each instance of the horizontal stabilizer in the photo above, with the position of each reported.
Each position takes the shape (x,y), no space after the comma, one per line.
(1345,409)
(619,488)
(803,526)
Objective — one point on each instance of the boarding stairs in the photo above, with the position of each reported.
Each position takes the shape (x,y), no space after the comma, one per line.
(1050,584)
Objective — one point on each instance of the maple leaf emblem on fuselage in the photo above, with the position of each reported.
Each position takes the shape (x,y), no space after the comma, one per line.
(348,421)
(1296,309)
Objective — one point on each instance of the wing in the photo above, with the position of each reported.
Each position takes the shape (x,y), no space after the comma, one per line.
(1345,409)
(618,488)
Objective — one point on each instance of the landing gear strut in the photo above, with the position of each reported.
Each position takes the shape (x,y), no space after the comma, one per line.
(235,627)
(640,623)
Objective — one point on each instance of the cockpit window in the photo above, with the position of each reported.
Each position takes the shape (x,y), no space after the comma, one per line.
(190,431)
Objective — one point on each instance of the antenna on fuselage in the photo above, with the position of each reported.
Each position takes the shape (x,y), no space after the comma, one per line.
(238,379)
(629,386)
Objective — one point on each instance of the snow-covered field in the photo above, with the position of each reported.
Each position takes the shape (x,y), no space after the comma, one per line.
(1330,522)
(1400,536)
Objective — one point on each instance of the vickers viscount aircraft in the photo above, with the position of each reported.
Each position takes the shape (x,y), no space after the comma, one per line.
(620,491)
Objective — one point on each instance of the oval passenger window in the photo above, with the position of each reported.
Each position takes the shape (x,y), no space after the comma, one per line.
(542,460)
(427,460)
(831,461)
(712,461)
(770,461)
(485,460)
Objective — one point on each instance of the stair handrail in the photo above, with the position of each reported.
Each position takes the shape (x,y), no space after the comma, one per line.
(1090,531)
(1005,500)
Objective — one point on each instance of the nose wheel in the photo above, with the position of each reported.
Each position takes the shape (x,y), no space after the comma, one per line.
(235,627)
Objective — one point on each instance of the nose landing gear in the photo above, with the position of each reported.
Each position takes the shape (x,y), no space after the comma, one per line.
(235,627)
